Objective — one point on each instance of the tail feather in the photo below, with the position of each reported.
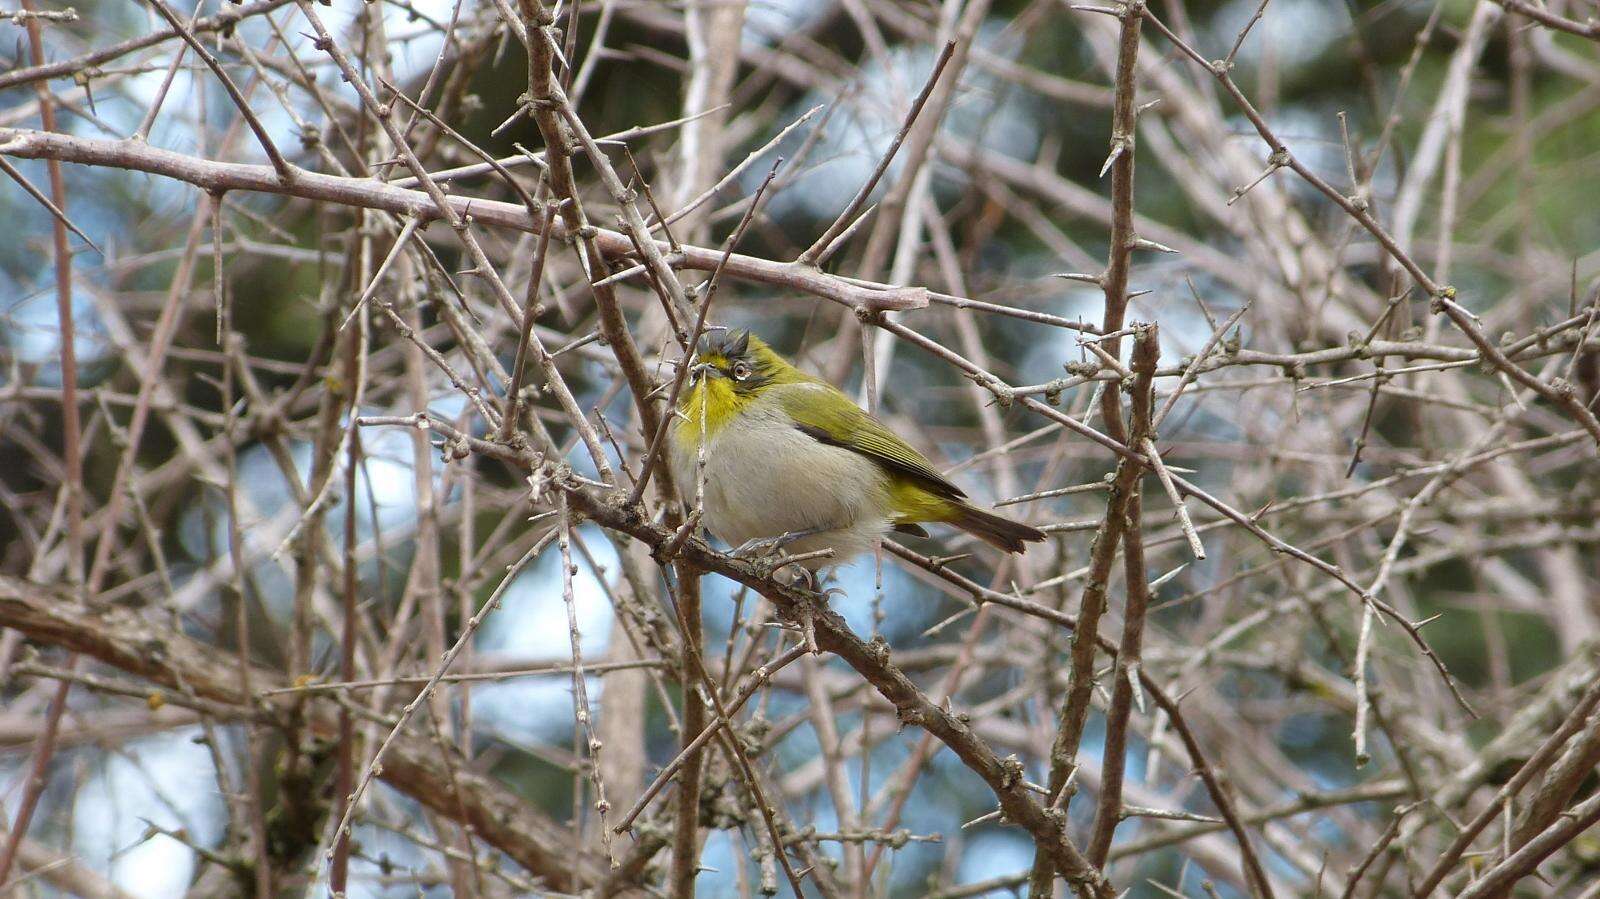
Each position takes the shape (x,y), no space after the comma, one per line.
(996,530)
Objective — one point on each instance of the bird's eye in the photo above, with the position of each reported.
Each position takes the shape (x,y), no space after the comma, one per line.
(741,370)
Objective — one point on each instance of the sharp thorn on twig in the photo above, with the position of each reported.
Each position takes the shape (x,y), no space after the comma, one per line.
(1118,147)
(1140,243)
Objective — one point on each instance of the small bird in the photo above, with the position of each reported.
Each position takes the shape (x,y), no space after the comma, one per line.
(791,463)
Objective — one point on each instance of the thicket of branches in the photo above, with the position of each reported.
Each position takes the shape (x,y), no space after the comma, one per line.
(339,554)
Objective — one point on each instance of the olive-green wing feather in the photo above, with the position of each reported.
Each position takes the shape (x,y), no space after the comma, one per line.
(835,420)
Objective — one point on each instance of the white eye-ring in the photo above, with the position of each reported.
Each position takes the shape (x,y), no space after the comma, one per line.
(741,370)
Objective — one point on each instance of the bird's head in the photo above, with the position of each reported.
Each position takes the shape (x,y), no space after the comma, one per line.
(728,370)
(742,360)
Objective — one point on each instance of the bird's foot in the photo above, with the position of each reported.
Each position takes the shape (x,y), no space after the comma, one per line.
(824,594)
(766,546)
(808,580)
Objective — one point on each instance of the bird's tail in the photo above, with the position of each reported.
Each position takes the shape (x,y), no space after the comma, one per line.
(995,529)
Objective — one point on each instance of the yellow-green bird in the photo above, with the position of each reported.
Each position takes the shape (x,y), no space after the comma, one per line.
(792,463)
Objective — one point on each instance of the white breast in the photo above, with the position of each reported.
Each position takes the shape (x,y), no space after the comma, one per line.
(765,478)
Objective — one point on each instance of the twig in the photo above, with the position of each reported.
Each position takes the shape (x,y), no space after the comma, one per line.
(1108,813)
(809,256)
(285,171)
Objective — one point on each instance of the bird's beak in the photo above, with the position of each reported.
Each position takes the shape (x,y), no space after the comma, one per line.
(704,369)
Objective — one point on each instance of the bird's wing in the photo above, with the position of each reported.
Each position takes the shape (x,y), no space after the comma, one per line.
(842,423)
